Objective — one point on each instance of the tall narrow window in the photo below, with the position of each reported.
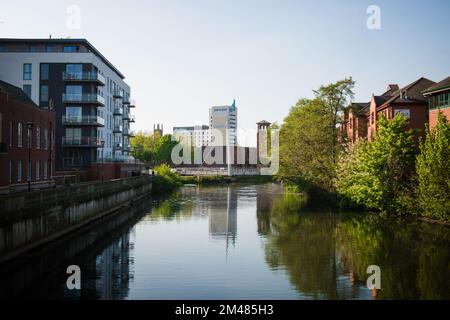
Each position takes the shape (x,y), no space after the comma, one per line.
(38,137)
(44,71)
(45,170)
(10,171)
(27,71)
(45,138)
(19,171)
(44,93)
(38,169)
(29,170)
(30,137)
(27,89)
(19,135)
(10,133)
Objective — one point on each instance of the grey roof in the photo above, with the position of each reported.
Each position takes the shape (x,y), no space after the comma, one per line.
(16,93)
(64,41)
(413,92)
(263,122)
(442,85)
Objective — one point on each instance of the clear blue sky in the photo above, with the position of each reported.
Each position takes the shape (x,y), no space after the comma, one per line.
(181,57)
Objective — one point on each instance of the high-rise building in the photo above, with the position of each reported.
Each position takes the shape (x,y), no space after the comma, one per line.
(223,125)
(88,94)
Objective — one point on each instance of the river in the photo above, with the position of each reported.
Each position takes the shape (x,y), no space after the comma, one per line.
(238,242)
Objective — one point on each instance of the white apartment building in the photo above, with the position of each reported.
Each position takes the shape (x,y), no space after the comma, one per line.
(198,136)
(89,95)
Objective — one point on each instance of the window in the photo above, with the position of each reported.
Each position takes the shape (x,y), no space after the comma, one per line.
(74,90)
(74,71)
(27,89)
(71,49)
(50,48)
(44,93)
(10,133)
(44,71)
(27,71)
(33,48)
(30,137)
(73,114)
(2,48)
(38,137)
(10,171)
(45,138)
(19,171)
(28,170)
(38,169)
(45,170)
(19,135)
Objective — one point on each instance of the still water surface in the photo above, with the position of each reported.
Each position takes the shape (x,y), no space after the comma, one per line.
(239,242)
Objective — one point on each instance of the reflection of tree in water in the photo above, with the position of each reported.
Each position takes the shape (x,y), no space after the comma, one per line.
(326,256)
(414,257)
(304,245)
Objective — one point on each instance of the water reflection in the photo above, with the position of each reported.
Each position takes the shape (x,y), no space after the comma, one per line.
(238,242)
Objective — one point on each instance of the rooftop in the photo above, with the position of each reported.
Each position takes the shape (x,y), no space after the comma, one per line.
(15,93)
(442,85)
(62,41)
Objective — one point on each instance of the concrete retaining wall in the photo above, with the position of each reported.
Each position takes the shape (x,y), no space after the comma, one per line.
(32,219)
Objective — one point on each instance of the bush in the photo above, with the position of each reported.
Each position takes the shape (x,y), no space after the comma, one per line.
(379,174)
(433,170)
(165,180)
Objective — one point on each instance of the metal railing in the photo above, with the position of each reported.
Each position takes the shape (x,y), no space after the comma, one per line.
(84,76)
(83,120)
(72,162)
(83,98)
(80,142)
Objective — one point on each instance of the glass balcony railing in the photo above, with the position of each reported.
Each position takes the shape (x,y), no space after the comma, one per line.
(80,142)
(117,129)
(83,98)
(118,111)
(118,94)
(84,76)
(83,120)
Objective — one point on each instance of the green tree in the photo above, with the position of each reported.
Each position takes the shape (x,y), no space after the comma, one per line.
(379,174)
(433,170)
(162,151)
(152,148)
(305,143)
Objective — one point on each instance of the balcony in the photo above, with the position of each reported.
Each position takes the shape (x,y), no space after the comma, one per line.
(126,101)
(128,117)
(133,104)
(118,111)
(89,98)
(84,77)
(117,94)
(83,121)
(80,142)
(72,162)
(117,129)
(117,147)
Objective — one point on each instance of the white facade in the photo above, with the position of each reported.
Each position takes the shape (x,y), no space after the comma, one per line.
(198,136)
(223,125)
(11,71)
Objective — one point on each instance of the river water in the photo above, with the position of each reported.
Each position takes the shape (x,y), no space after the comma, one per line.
(238,242)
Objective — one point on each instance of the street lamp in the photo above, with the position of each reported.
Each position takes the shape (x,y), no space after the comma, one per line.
(103,146)
(30,137)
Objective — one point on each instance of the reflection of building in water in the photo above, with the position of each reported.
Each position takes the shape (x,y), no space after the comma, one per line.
(263,206)
(223,221)
(113,269)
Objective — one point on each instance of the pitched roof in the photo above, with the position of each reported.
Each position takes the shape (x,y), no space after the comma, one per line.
(263,122)
(410,93)
(444,84)
(15,92)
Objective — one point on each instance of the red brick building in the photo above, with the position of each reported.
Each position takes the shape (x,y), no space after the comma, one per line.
(24,124)
(354,125)
(408,101)
(438,96)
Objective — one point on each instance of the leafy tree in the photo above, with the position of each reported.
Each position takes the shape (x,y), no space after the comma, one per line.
(378,174)
(163,150)
(152,148)
(305,143)
(433,170)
